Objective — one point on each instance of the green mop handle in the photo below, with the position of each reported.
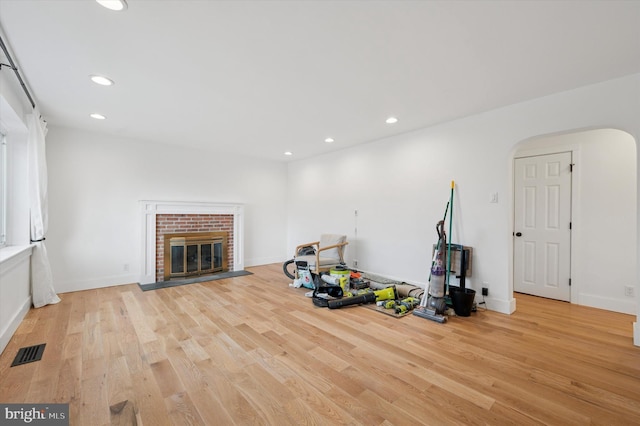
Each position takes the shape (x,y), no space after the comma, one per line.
(450,237)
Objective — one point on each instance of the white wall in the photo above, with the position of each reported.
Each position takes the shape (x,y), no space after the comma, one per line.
(604,235)
(96,181)
(400,185)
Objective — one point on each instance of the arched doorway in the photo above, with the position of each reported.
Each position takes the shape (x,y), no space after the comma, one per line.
(603,255)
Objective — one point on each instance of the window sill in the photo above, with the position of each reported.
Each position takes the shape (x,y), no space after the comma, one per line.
(10,256)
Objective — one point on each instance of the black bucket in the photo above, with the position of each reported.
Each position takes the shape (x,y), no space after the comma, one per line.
(462,300)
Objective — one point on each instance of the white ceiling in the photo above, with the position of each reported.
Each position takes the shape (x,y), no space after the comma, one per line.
(264,77)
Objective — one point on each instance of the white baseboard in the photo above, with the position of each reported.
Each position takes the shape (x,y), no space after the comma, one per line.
(13,325)
(101,282)
(259,261)
(608,303)
(503,306)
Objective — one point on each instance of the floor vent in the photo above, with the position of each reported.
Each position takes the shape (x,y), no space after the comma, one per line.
(29,354)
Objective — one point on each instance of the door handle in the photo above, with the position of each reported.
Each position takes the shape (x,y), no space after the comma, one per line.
(518,234)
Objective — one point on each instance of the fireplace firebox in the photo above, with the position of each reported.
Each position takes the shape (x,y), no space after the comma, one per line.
(194,254)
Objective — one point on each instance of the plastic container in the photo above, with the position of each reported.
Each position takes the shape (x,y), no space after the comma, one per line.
(342,273)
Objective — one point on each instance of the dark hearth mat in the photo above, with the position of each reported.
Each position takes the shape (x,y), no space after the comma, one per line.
(175,283)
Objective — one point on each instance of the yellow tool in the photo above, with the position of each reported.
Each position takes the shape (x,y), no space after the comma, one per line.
(406,304)
(401,309)
(387,304)
(411,302)
(343,283)
(388,293)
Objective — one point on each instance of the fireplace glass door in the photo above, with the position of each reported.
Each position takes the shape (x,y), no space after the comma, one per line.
(192,254)
(192,258)
(205,257)
(177,259)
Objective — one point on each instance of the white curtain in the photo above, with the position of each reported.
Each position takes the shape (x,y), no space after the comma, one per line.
(42,292)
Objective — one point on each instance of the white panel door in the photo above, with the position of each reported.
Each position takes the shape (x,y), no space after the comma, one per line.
(542,226)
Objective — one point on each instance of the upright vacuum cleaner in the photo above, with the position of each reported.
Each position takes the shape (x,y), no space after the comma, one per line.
(433,304)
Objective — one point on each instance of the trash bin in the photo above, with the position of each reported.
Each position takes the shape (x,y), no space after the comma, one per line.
(462,300)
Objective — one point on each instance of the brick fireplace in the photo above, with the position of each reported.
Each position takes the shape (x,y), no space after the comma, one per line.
(179,218)
(167,224)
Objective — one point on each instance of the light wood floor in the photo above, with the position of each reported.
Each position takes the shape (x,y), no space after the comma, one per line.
(251,350)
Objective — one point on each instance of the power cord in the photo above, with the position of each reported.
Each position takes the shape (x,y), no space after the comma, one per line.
(483,303)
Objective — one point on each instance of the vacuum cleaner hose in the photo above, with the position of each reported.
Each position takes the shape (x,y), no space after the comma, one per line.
(285,266)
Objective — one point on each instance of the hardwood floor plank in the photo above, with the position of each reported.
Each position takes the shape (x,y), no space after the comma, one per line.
(510,416)
(148,401)
(78,310)
(251,350)
(93,394)
(329,358)
(297,412)
(193,350)
(392,413)
(299,359)
(436,408)
(123,414)
(211,410)
(168,381)
(68,387)
(182,411)
(602,398)
(230,402)
(256,340)
(536,406)
(330,407)
(141,323)
(15,383)
(119,386)
(92,342)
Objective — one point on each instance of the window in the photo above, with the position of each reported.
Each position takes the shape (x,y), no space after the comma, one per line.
(14,189)
(3,190)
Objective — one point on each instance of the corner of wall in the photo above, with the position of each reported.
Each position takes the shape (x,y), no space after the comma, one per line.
(502,306)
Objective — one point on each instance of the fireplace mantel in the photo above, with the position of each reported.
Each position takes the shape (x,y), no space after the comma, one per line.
(150,209)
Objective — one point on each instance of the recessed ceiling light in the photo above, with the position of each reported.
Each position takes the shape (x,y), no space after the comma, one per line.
(101,80)
(392,120)
(329,140)
(288,153)
(97,116)
(116,5)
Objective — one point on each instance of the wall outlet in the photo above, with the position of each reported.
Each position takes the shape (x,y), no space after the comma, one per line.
(629,291)
(125,267)
(485,288)
(355,263)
